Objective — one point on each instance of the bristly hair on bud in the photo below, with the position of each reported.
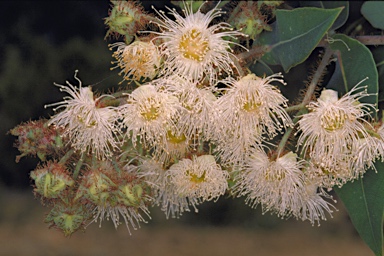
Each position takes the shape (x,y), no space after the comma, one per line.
(126,18)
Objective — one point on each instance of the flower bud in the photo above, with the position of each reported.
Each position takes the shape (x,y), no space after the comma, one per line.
(125,18)
(130,195)
(96,187)
(249,19)
(51,180)
(35,138)
(67,217)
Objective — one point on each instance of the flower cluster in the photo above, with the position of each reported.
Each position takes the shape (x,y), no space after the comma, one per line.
(197,125)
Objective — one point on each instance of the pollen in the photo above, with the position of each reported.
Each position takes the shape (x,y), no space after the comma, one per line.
(174,138)
(193,45)
(195,178)
(150,112)
(137,60)
(333,121)
(252,104)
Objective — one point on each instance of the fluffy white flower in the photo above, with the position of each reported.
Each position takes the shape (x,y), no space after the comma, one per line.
(332,129)
(89,127)
(198,105)
(137,60)
(250,109)
(200,177)
(164,192)
(149,113)
(194,49)
(311,203)
(275,184)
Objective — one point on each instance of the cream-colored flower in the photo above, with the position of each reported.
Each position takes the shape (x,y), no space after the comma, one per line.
(137,60)
(311,204)
(275,184)
(149,113)
(164,191)
(333,129)
(89,127)
(200,177)
(250,112)
(192,47)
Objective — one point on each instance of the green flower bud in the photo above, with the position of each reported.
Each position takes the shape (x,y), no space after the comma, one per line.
(125,18)
(51,180)
(67,217)
(35,138)
(249,19)
(130,195)
(96,187)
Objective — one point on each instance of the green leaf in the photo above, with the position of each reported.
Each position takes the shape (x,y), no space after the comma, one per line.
(341,19)
(354,63)
(295,34)
(261,69)
(378,55)
(364,201)
(373,12)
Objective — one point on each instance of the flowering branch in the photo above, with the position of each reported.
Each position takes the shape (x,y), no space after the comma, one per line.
(307,98)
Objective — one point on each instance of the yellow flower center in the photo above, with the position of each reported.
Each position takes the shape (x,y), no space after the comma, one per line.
(251,104)
(87,124)
(175,139)
(274,175)
(150,113)
(136,62)
(150,110)
(334,120)
(196,179)
(193,45)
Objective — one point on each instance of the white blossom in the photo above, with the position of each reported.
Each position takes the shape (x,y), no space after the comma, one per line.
(194,49)
(200,177)
(149,113)
(137,60)
(275,184)
(89,126)
(250,112)
(333,129)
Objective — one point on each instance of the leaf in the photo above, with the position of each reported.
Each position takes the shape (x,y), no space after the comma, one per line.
(354,63)
(295,34)
(373,12)
(378,55)
(341,19)
(261,69)
(364,201)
